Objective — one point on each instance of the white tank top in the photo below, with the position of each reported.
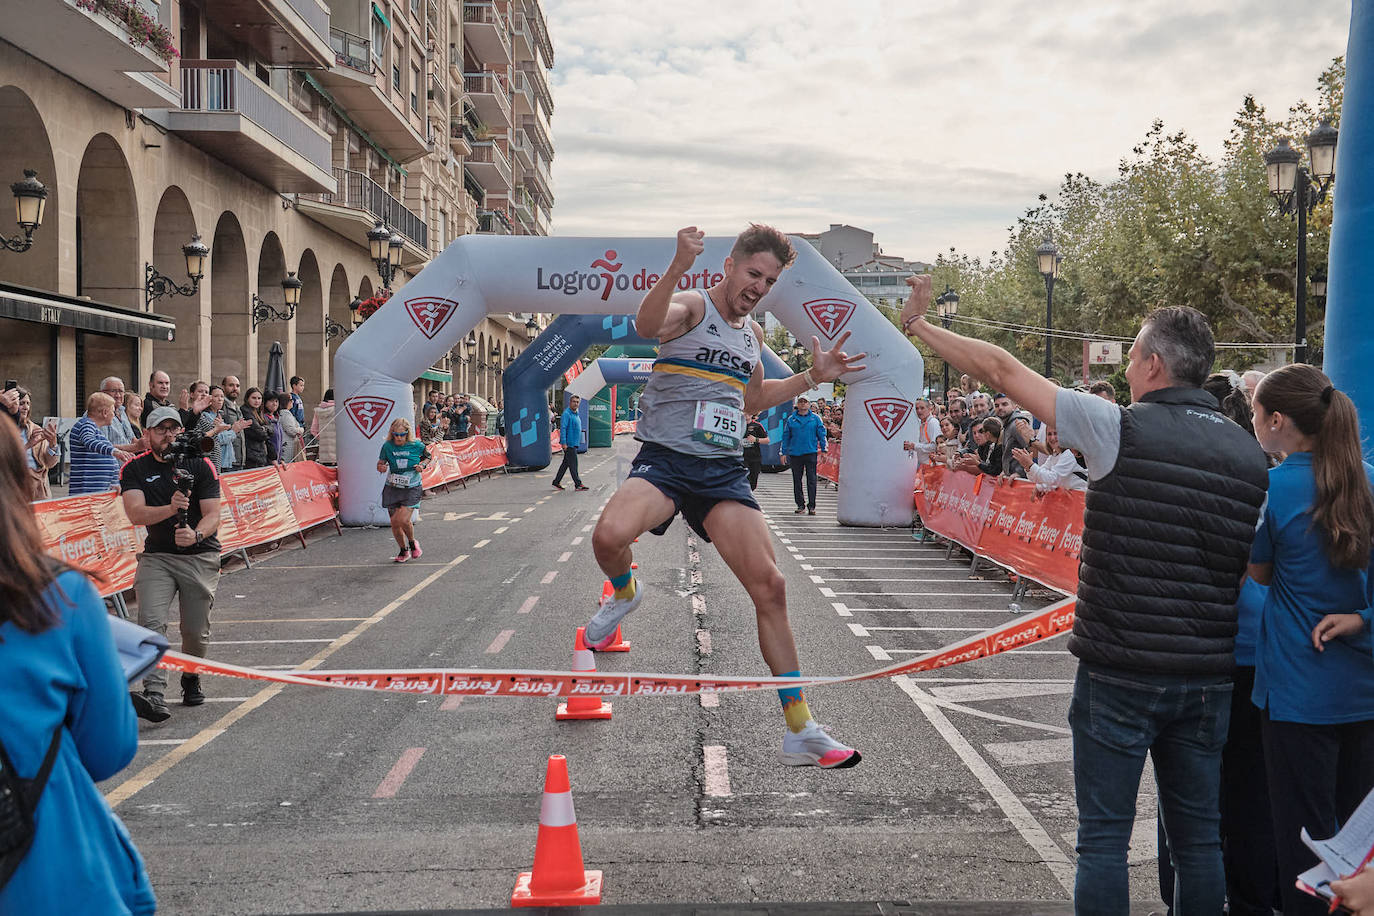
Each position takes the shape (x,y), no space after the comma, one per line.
(694,401)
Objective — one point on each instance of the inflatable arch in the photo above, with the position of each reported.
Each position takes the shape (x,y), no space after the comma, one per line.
(478,274)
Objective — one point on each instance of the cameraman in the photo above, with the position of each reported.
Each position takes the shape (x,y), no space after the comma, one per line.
(180,558)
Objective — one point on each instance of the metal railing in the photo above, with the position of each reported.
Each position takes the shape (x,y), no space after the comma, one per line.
(485,82)
(488,14)
(225,86)
(489,152)
(542,144)
(521,144)
(540,30)
(351,51)
(358,192)
(534,75)
(437,92)
(495,222)
(519,27)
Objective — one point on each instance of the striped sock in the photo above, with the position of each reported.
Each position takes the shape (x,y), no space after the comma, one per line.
(794,708)
(624,584)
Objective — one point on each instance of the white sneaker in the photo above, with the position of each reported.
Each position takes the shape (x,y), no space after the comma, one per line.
(813,747)
(601,629)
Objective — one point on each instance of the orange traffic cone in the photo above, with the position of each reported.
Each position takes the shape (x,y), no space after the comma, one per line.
(557,878)
(582,707)
(621,644)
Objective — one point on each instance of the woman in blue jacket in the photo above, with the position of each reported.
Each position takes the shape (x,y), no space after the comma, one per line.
(62,676)
(1314,675)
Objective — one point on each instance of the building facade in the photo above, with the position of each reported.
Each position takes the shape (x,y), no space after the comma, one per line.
(278,132)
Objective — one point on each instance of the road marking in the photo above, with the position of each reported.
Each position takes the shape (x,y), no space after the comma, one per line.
(498,515)
(219,622)
(148,742)
(818,580)
(1005,720)
(262,642)
(565,556)
(928,629)
(703,641)
(455,516)
(841,609)
(452,702)
(548,577)
(226,699)
(858,630)
(586,528)
(502,530)
(879,653)
(1007,690)
(515,575)
(576,541)
(927,594)
(828,593)
(528,605)
(935,610)
(717,771)
(999,655)
(806,567)
(1029,753)
(392,781)
(144,777)
(530,509)
(1025,823)
(500,641)
(709,700)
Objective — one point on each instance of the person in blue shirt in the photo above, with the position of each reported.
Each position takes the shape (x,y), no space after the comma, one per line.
(803,437)
(402,459)
(63,680)
(570,435)
(1314,673)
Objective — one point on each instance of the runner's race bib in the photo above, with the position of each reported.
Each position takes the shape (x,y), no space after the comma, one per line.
(718,424)
(401,481)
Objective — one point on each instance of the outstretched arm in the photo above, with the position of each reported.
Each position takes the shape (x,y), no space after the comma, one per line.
(663,314)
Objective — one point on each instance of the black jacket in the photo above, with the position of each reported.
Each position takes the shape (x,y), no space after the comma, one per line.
(257,438)
(1167,537)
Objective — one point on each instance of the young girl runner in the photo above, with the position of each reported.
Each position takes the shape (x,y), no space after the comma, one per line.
(402,459)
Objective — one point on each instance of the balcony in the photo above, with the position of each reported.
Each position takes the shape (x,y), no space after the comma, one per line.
(490,96)
(538,84)
(494,222)
(539,31)
(284,33)
(460,138)
(229,114)
(356,206)
(487,31)
(539,137)
(474,188)
(358,86)
(437,98)
(489,165)
(522,152)
(543,221)
(522,102)
(523,204)
(91,48)
(432,21)
(522,41)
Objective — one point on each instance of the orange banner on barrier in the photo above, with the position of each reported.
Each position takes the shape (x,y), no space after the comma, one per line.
(254,509)
(92,533)
(312,491)
(828,461)
(1036,535)
(555,441)
(456,459)
(624,427)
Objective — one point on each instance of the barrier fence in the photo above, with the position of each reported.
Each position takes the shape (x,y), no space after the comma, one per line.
(828,462)
(92,533)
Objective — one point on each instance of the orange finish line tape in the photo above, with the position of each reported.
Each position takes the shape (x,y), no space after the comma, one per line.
(1023,631)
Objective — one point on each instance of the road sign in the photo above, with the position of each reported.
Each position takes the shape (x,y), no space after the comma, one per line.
(1104,352)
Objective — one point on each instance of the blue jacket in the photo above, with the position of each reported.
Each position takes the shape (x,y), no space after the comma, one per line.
(82,860)
(802,435)
(94,466)
(570,429)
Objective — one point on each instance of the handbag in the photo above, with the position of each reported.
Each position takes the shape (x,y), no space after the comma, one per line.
(18,802)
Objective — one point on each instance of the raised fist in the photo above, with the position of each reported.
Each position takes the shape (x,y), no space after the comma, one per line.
(690,243)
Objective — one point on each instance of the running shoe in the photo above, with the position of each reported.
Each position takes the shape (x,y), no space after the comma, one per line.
(580,487)
(800,510)
(415,551)
(813,747)
(403,555)
(557,486)
(600,631)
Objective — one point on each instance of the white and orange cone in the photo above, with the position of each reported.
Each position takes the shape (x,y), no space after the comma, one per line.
(557,878)
(582,707)
(619,643)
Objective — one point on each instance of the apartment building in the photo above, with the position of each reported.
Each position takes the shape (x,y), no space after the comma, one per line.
(277,134)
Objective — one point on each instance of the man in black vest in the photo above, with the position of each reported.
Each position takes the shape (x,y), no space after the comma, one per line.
(1174,494)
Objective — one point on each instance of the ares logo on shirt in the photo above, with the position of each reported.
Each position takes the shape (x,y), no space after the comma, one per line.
(888,414)
(830,315)
(368,413)
(723,358)
(430,313)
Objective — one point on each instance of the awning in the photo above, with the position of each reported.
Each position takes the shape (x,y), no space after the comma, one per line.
(377,10)
(27,304)
(436,375)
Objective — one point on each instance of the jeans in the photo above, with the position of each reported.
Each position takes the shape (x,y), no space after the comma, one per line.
(569,464)
(1181,720)
(803,464)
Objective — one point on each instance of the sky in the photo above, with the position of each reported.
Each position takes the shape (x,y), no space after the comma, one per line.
(931,123)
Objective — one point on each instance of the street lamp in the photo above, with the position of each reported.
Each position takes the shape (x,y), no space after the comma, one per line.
(291,292)
(798,356)
(1298,192)
(333,329)
(1047,259)
(30,201)
(948,305)
(157,285)
(531,328)
(385,248)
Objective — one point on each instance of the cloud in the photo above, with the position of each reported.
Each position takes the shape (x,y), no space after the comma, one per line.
(932,124)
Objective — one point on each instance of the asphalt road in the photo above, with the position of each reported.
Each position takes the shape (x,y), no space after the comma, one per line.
(275,799)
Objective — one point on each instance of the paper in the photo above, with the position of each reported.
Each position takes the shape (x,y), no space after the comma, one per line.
(139,648)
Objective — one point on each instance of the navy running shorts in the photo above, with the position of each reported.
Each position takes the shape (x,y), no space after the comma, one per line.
(694,484)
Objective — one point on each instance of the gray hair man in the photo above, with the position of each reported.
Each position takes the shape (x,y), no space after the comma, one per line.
(1174,494)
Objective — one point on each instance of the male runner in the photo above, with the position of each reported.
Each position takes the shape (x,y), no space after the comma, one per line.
(692,423)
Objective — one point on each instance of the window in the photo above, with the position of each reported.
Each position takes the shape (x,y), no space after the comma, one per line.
(415,8)
(415,89)
(378,36)
(396,77)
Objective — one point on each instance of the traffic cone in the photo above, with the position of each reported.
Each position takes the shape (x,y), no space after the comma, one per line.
(557,878)
(621,644)
(582,707)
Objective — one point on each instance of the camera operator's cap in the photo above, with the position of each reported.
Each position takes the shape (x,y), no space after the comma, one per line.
(162,415)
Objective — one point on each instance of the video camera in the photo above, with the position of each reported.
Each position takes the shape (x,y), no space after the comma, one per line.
(186,448)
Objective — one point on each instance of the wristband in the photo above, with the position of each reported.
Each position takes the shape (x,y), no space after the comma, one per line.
(906,325)
(810,379)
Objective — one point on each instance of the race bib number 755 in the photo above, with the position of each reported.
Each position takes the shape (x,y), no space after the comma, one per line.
(718,424)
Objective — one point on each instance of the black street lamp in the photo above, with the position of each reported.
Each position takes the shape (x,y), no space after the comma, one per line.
(947,303)
(531,328)
(291,292)
(1048,259)
(157,285)
(30,202)
(798,356)
(385,248)
(1298,192)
